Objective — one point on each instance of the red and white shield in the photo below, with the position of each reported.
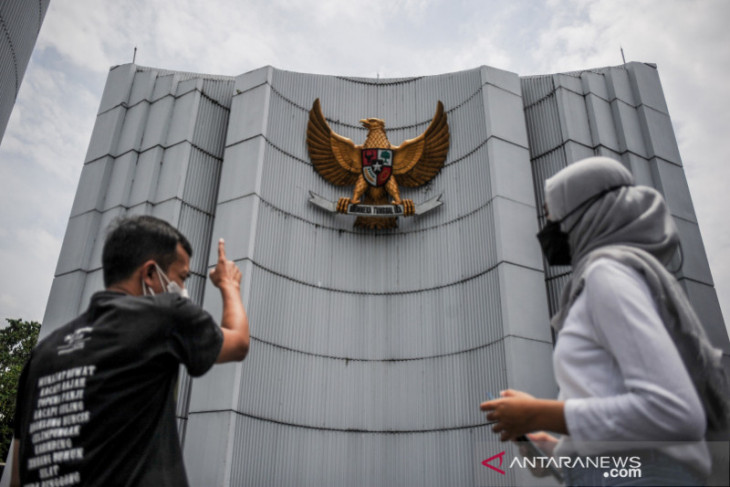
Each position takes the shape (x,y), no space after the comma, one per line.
(377,166)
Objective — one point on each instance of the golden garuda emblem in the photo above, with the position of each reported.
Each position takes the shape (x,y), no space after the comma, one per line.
(376,168)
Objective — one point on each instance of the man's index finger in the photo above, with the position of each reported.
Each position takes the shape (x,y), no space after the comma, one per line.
(221,249)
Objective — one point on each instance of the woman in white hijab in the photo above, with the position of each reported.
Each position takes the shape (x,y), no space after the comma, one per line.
(637,375)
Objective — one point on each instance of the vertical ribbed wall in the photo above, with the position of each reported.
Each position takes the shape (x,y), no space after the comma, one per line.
(371,351)
(156,149)
(619,112)
(20,22)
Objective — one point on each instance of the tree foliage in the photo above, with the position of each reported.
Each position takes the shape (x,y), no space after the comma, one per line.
(16,342)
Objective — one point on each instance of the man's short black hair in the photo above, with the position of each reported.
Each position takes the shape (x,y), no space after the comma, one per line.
(132,241)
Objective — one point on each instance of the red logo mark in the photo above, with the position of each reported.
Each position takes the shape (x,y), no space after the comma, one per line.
(501,457)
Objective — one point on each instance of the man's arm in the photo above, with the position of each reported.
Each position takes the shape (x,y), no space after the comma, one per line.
(234,323)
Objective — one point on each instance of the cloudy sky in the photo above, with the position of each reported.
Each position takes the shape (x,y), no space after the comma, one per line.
(43,149)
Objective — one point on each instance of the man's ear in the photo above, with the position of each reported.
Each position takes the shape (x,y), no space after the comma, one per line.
(147,271)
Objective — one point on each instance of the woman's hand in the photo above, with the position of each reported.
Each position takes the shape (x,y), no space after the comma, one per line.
(517,413)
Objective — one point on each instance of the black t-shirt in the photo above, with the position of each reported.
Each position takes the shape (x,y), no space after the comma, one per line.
(95,401)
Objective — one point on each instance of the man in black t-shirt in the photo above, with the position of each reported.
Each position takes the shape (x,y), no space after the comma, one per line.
(96,401)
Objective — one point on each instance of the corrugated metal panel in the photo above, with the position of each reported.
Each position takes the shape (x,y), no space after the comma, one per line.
(405,116)
(9,80)
(145,178)
(164,86)
(543,114)
(602,126)
(393,331)
(183,386)
(94,175)
(442,392)
(186,85)
(353,262)
(543,168)
(120,180)
(219,90)
(78,242)
(142,88)
(624,129)
(211,123)
(375,326)
(142,185)
(105,134)
(135,120)
(20,22)
(197,227)
(535,88)
(400,330)
(182,121)
(359,339)
(63,301)
(619,84)
(547,141)
(201,181)
(327,458)
(391,100)
(158,122)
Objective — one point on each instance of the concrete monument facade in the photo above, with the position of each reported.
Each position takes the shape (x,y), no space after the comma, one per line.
(371,350)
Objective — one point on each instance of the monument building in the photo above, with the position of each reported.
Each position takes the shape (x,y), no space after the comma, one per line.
(372,346)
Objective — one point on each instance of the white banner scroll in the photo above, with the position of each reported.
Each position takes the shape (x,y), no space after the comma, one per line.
(377,211)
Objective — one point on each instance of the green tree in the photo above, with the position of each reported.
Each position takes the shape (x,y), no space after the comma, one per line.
(16,342)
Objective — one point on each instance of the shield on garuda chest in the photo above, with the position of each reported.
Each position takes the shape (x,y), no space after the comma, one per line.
(377,166)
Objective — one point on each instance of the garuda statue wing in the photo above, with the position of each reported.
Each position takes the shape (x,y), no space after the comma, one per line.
(417,161)
(336,158)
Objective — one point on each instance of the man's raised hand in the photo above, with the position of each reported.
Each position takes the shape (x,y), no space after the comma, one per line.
(226,272)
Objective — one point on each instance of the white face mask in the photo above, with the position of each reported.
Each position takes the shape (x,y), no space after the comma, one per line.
(168,284)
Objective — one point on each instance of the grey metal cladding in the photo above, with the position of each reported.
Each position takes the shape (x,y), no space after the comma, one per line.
(646,87)
(659,135)
(321,392)
(389,333)
(19,32)
(94,175)
(704,299)
(20,22)
(131,169)
(105,135)
(600,119)
(120,180)
(636,129)
(368,326)
(315,457)
(368,349)
(355,262)
(669,179)
(64,300)
(117,88)
(510,168)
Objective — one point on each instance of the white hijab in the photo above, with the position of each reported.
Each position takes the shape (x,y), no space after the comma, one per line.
(632,225)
